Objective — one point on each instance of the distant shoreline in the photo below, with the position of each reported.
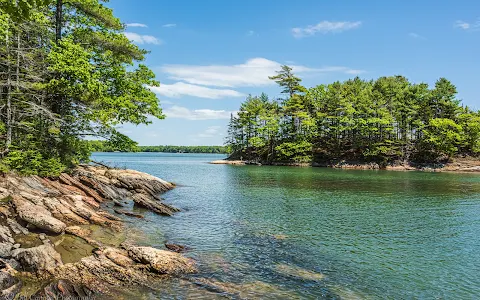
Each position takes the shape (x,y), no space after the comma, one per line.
(467,165)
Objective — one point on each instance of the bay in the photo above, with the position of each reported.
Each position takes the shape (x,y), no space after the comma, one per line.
(309,233)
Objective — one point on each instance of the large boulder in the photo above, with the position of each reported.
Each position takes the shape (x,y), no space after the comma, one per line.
(38,259)
(37,215)
(162,261)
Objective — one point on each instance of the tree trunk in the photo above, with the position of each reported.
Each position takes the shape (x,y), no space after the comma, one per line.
(8,141)
(58,21)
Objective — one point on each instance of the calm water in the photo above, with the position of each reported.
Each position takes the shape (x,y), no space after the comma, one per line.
(272,232)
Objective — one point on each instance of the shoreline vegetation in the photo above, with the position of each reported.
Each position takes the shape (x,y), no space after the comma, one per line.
(456,165)
(66,237)
(384,123)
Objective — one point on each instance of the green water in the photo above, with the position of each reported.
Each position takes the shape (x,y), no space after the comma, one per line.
(286,232)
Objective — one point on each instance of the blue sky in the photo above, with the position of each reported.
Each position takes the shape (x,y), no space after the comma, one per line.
(209,54)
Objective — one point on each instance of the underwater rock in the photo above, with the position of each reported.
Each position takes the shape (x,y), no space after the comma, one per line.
(162,261)
(176,248)
(299,272)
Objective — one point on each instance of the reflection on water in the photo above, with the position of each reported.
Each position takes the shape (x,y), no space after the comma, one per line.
(316,233)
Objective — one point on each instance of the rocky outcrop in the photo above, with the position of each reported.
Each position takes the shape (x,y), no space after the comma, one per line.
(38,259)
(38,214)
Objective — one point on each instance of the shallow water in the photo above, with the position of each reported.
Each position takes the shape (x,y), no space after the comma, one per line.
(286,232)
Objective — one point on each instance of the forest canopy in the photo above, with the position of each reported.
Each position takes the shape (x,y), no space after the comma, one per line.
(67,73)
(388,120)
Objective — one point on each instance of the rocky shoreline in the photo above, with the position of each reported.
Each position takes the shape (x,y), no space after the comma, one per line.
(53,233)
(458,165)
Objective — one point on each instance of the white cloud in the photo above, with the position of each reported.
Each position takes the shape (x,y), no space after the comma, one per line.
(251,33)
(254,72)
(197,114)
(169,25)
(210,132)
(416,36)
(136,25)
(462,24)
(474,26)
(142,39)
(179,89)
(324,27)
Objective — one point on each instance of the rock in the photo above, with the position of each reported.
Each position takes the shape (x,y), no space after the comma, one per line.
(37,259)
(153,205)
(299,272)
(228,162)
(130,214)
(64,289)
(83,234)
(37,215)
(16,246)
(118,256)
(6,235)
(116,203)
(9,285)
(6,249)
(162,261)
(72,181)
(42,236)
(176,248)
(4,193)
(16,228)
(78,231)
(4,211)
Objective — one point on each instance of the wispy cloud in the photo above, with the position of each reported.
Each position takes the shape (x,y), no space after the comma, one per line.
(324,27)
(179,89)
(467,25)
(462,25)
(254,72)
(197,114)
(212,131)
(169,25)
(136,25)
(416,36)
(142,39)
(251,33)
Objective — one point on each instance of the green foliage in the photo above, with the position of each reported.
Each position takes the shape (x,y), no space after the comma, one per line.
(443,135)
(384,120)
(67,74)
(296,152)
(105,146)
(32,162)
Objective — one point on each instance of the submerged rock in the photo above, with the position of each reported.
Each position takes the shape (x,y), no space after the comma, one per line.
(299,272)
(176,248)
(161,261)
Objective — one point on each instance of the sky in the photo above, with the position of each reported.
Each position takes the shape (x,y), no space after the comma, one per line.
(209,54)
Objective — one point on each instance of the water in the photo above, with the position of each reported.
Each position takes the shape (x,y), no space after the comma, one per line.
(286,232)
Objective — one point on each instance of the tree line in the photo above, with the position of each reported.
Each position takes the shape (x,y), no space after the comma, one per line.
(67,73)
(106,146)
(387,120)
